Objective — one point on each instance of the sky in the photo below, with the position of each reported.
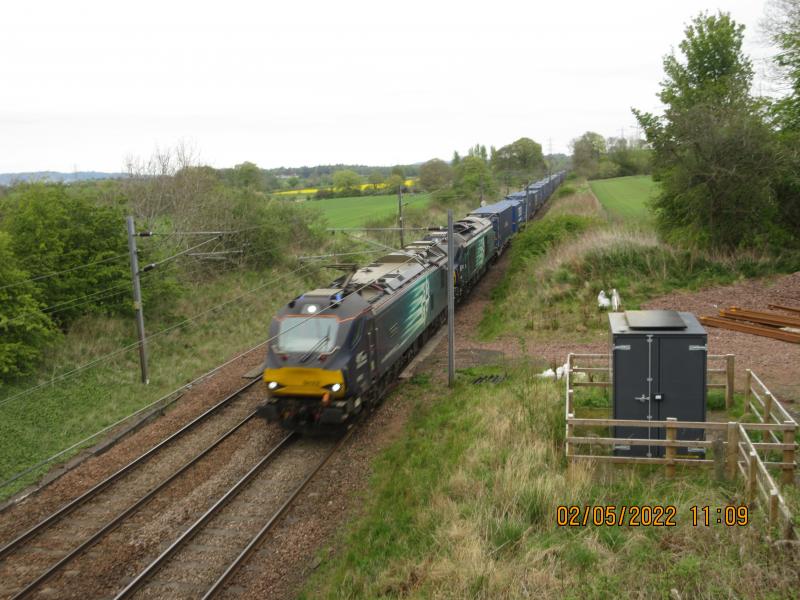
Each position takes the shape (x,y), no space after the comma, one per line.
(86,85)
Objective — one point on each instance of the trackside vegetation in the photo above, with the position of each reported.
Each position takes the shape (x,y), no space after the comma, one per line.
(464,505)
(559,265)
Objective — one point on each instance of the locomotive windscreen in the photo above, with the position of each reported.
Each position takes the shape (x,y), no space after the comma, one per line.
(303,334)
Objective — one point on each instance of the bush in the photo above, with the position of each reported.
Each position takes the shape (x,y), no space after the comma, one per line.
(564,190)
(24,329)
(56,229)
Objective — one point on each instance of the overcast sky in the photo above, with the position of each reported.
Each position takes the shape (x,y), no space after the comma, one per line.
(86,84)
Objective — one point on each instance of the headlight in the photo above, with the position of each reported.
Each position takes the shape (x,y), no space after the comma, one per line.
(272,385)
(336,387)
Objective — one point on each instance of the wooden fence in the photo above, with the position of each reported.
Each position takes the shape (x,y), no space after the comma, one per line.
(729,370)
(735,450)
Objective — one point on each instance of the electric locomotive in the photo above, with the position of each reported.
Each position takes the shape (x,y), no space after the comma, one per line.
(333,351)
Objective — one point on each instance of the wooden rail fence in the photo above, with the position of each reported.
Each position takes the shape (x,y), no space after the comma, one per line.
(735,450)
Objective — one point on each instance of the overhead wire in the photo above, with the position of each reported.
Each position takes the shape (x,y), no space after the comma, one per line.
(181,253)
(175,326)
(146,339)
(48,275)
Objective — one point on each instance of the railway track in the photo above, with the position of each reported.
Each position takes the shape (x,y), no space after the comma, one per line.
(205,557)
(57,540)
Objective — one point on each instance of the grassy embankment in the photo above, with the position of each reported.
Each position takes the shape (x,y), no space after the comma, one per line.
(36,425)
(463,505)
(580,247)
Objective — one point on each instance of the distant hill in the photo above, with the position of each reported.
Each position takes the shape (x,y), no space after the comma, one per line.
(56,176)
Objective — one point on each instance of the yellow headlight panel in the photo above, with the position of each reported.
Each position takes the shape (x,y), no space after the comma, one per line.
(301,381)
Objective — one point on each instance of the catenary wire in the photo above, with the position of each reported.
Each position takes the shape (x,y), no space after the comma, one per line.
(48,275)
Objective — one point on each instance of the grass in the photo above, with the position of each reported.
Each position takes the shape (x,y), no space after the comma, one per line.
(464,506)
(37,425)
(358,210)
(626,198)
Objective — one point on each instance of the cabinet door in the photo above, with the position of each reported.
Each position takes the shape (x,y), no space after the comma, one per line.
(682,382)
(636,361)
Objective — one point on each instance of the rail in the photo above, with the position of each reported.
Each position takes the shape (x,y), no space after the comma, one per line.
(737,447)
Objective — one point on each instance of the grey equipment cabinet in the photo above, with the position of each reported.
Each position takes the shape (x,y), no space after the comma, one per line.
(658,360)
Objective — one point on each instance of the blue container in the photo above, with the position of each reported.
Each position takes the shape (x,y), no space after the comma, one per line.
(501,215)
(522,199)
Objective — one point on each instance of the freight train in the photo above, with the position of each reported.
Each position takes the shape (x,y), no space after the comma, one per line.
(335,350)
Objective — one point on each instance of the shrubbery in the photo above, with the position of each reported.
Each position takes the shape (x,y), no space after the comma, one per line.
(24,328)
(64,251)
(53,230)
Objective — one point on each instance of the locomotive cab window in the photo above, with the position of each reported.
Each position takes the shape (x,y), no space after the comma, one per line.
(304,334)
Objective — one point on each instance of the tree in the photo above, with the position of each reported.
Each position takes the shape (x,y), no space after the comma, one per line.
(435,175)
(630,157)
(782,27)
(516,163)
(472,178)
(248,174)
(375,179)
(346,181)
(478,150)
(24,329)
(587,151)
(712,149)
(394,183)
(399,171)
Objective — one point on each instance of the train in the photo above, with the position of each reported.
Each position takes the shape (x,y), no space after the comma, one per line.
(334,351)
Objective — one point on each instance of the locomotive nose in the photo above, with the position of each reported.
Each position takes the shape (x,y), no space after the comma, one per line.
(305,382)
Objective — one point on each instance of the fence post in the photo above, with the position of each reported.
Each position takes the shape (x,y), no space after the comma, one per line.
(670,453)
(729,373)
(773,507)
(732,449)
(567,446)
(787,475)
(748,385)
(752,473)
(768,407)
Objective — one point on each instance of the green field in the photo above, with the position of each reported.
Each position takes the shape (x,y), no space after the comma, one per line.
(358,210)
(625,198)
